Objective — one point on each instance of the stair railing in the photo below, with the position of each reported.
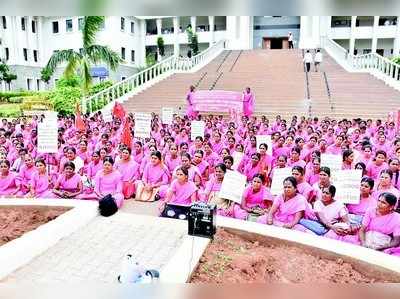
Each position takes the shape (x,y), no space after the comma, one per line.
(149,76)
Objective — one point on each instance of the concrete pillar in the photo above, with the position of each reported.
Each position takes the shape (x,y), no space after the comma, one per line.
(352,34)
(212,33)
(316,32)
(176,36)
(39,30)
(374,34)
(142,43)
(396,45)
(193,23)
(159,26)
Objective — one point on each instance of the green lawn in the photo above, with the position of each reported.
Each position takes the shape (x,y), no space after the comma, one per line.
(10,110)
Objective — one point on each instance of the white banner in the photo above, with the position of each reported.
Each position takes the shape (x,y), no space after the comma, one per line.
(142,125)
(197,129)
(264,139)
(167,115)
(233,186)
(334,162)
(47,137)
(347,183)
(280,174)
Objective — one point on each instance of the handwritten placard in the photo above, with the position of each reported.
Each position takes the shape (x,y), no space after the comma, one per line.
(167,115)
(264,139)
(197,129)
(142,125)
(280,174)
(347,183)
(237,158)
(233,186)
(107,116)
(334,162)
(48,137)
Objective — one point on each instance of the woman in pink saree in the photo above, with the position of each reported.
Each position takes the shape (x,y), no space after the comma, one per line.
(288,208)
(129,170)
(256,199)
(69,183)
(9,184)
(181,192)
(41,182)
(25,173)
(380,227)
(189,108)
(248,102)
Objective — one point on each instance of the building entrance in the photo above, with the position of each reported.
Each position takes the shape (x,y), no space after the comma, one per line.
(275,43)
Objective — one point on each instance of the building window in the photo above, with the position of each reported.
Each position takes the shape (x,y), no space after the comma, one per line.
(7,53)
(68,25)
(38,84)
(55,27)
(123,53)
(133,55)
(81,51)
(4,21)
(80,23)
(123,24)
(23,23)
(28,84)
(25,50)
(132,27)
(33,26)
(35,55)
(123,78)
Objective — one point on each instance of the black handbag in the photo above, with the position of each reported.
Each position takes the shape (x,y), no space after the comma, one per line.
(175,211)
(107,206)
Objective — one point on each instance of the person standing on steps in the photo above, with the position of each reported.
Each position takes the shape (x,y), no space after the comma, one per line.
(307,60)
(317,60)
(248,102)
(290,40)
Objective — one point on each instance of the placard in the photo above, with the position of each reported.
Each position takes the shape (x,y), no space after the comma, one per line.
(47,137)
(167,115)
(107,116)
(197,129)
(264,139)
(280,174)
(347,183)
(334,162)
(233,186)
(142,125)
(237,158)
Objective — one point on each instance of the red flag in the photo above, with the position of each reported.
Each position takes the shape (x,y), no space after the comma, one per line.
(118,111)
(126,137)
(79,123)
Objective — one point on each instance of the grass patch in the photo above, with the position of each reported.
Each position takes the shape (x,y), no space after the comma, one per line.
(10,110)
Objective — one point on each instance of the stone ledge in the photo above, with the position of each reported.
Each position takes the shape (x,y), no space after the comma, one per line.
(21,251)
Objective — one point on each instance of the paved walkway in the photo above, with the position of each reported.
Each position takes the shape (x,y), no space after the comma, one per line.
(95,252)
(139,207)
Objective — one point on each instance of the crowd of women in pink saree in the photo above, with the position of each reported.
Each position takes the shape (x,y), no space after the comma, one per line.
(172,168)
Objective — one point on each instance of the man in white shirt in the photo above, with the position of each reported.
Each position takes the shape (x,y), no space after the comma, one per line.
(308,60)
(317,60)
(290,40)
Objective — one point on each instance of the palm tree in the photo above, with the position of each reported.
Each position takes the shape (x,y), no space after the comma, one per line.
(90,54)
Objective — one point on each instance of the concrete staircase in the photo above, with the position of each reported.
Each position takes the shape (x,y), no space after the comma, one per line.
(278,80)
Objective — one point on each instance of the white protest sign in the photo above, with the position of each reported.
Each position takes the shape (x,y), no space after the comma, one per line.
(50,115)
(237,158)
(107,116)
(264,139)
(233,186)
(167,115)
(334,162)
(347,183)
(280,174)
(47,137)
(197,129)
(142,125)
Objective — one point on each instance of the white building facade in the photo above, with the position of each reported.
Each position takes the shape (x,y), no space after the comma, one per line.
(27,42)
